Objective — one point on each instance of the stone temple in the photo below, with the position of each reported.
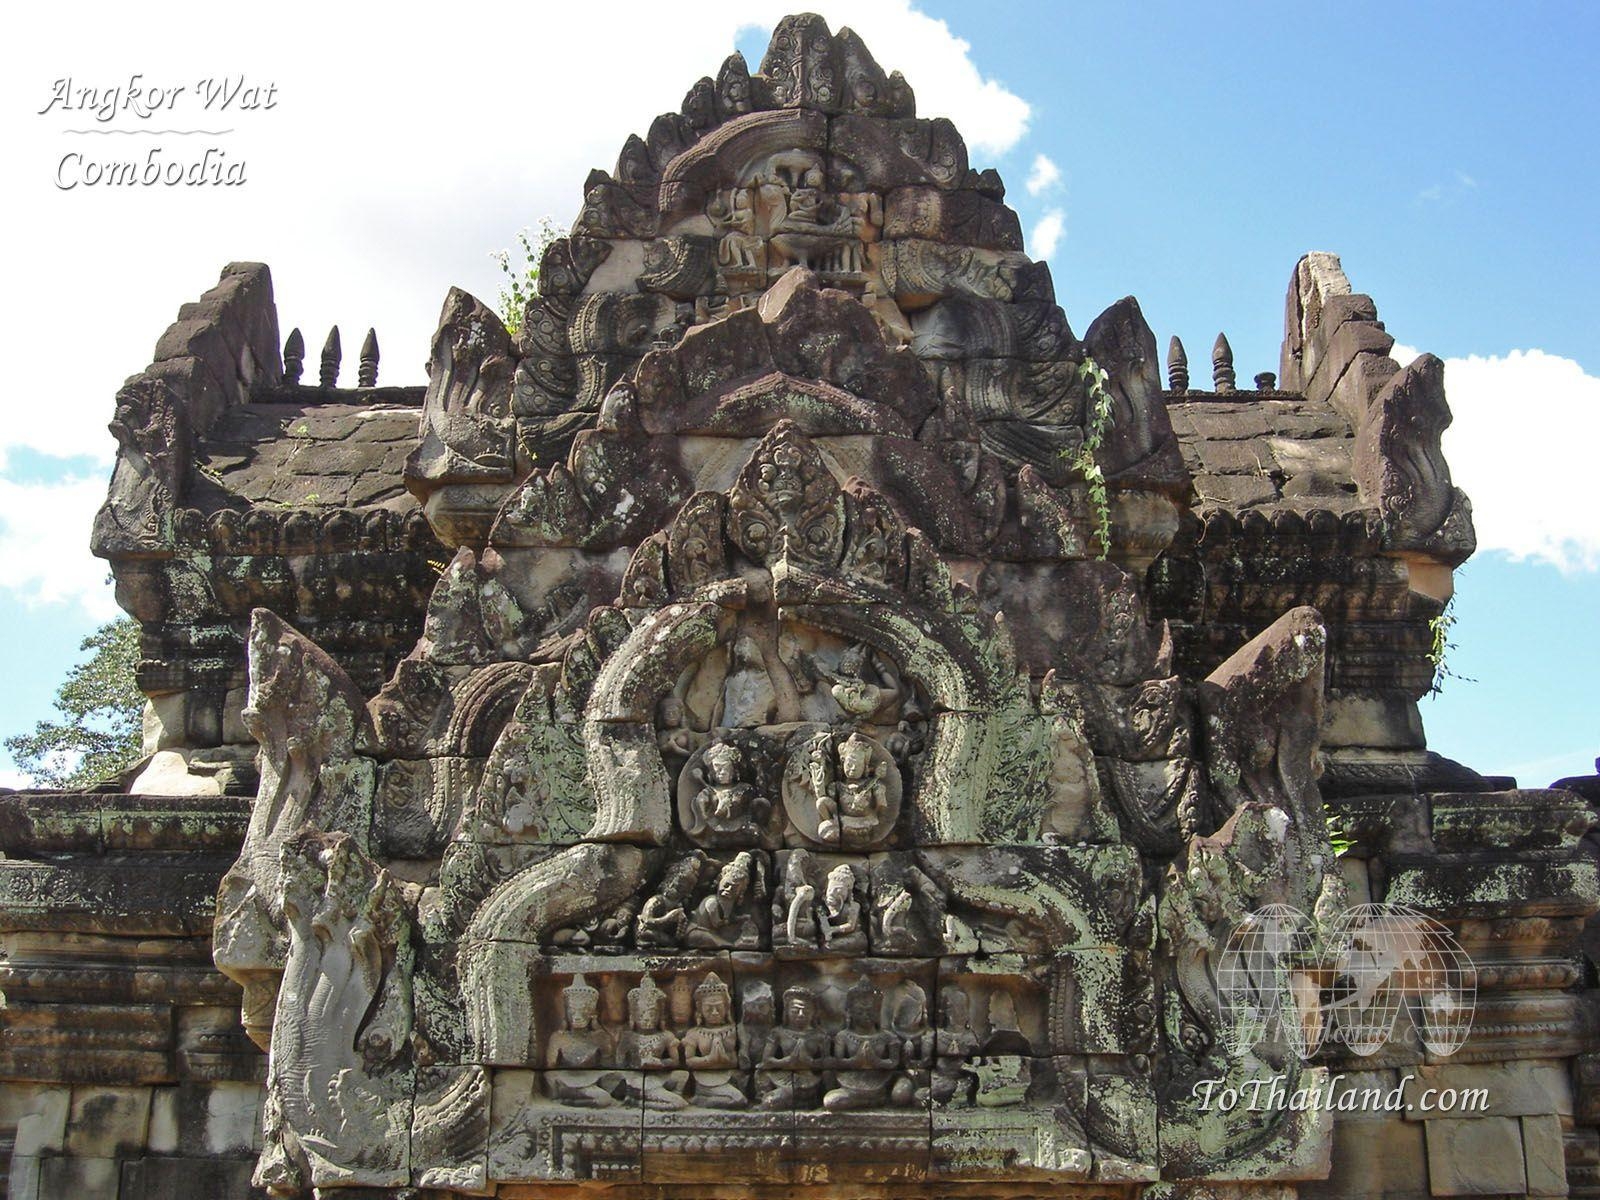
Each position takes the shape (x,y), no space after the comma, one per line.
(793,719)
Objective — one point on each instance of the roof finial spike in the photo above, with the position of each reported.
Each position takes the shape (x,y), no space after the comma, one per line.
(1177,366)
(367,372)
(331,356)
(1222,373)
(294,356)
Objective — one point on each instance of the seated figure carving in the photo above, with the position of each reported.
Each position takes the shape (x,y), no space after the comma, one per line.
(711,1047)
(954,1043)
(789,1075)
(859,796)
(842,928)
(726,918)
(576,1055)
(664,917)
(725,807)
(652,1050)
(864,1056)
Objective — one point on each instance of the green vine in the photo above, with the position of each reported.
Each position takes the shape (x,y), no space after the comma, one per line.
(1440,646)
(1096,423)
(521,269)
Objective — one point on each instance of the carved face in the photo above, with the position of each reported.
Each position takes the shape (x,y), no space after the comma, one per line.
(714,1009)
(671,712)
(841,882)
(647,1011)
(911,1013)
(798,1009)
(733,882)
(722,764)
(861,1006)
(855,756)
(582,1009)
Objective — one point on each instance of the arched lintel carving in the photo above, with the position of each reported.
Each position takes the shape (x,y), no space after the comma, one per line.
(633,795)
(562,890)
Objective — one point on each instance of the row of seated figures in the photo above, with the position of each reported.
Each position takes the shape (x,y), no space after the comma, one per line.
(798,903)
(878,1055)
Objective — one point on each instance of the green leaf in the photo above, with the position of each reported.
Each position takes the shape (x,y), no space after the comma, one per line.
(98,729)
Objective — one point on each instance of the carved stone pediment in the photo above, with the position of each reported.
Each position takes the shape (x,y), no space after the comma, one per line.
(780,789)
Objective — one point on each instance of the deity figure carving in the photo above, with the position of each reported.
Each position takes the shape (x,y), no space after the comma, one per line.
(724,809)
(726,919)
(954,1043)
(845,795)
(794,905)
(756,1018)
(653,1050)
(674,738)
(789,1075)
(852,814)
(918,1045)
(843,931)
(711,1047)
(740,249)
(864,1055)
(856,695)
(576,1055)
(664,917)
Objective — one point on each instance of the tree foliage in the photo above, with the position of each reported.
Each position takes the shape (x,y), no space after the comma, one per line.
(97,731)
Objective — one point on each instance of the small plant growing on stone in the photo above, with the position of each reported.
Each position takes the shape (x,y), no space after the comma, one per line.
(1338,833)
(1096,424)
(521,269)
(1439,649)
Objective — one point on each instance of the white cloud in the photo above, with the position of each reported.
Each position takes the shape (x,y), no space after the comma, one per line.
(1046,235)
(402,150)
(14,779)
(1043,176)
(936,63)
(44,544)
(1522,447)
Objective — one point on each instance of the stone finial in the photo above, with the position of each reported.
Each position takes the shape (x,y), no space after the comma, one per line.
(1222,373)
(1267,381)
(367,372)
(331,355)
(294,356)
(1177,366)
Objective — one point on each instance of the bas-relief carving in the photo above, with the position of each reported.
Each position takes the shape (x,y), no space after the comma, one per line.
(824,817)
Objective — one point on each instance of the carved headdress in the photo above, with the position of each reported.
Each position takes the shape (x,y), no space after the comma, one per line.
(711,986)
(645,1003)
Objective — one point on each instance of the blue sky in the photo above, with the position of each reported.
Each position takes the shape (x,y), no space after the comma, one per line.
(1190,155)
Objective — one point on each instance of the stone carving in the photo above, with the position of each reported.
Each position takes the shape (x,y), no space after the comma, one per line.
(717,804)
(786,503)
(729,914)
(578,1053)
(339,1106)
(710,1048)
(842,791)
(308,719)
(1400,466)
(777,790)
